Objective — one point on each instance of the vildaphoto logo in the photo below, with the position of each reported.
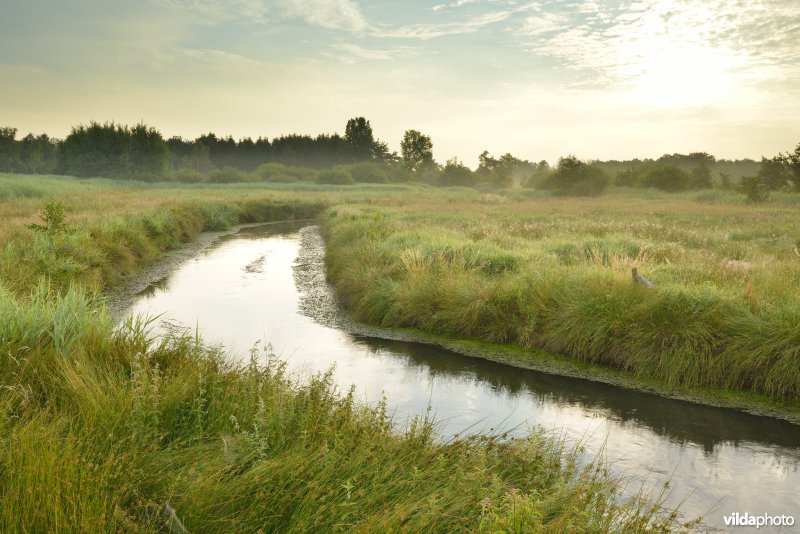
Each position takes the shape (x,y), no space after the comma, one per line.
(764,520)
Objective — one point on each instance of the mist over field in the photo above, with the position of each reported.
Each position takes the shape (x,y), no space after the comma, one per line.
(365,266)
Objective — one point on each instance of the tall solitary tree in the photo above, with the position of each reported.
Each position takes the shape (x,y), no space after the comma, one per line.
(359,138)
(417,151)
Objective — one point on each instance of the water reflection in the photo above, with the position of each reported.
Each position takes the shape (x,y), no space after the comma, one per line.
(242,290)
(679,421)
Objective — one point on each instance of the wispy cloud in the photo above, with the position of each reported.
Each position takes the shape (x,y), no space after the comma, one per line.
(431,31)
(330,14)
(350,52)
(457,3)
(217,57)
(217,10)
(753,41)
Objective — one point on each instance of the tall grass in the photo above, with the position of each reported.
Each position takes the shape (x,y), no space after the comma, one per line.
(556,275)
(107,429)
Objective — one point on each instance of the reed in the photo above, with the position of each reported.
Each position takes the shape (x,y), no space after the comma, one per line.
(108,429)
(555,274)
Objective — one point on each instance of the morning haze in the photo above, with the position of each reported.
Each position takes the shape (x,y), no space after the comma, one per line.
(537,79)
(368,266)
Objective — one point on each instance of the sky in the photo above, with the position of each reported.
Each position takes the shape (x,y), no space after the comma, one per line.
(597,79)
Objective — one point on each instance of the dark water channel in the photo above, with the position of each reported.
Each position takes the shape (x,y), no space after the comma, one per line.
(241,290)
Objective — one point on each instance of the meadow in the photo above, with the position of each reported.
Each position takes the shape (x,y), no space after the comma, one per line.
(107,429)
(555,273)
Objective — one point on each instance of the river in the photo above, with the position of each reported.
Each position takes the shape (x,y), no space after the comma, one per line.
(243,288)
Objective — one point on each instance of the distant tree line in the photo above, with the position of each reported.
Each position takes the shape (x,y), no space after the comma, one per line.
(140,152)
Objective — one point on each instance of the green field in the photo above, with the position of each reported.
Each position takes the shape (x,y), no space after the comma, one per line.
(555,273)
(105,429)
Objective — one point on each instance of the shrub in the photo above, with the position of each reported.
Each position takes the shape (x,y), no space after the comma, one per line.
(282,179)
(335,177)
(628,178)
(667,178)
(574,177)
(754,189)
(456,173)
(187,176)
(367,172)
(230,175)
(268,171)
(53,217)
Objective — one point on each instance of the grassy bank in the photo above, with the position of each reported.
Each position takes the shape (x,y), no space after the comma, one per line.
(109,430)
(555,274)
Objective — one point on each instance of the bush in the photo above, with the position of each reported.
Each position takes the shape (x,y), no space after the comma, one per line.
(628,178)
(52,215)
(145,176)
(754,189)
(282,179)
(335,177)
(667,178)
(367,172)
(187,176)
(573,177)
(456,173)
(230,175)
(268,171)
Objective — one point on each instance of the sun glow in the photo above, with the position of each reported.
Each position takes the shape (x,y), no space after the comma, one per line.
(685,76)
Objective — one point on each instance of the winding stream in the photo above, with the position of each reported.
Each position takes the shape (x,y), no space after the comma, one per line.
(242,289)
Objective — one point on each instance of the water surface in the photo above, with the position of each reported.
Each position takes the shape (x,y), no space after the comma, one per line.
(241,290)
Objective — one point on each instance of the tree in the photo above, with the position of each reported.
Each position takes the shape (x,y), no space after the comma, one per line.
(725,181)
(774,172)
(456,173)
(541,173)
(9,149)
(148,153)
(793,162)
(359,138)
(381,153)
(700,177)
(576,178)
(667,178)
(417,151)
(115,151)
(496,171)
(630,177)
(754,189)
(31,153)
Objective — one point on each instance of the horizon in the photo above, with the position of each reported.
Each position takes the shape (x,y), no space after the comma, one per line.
(539,80)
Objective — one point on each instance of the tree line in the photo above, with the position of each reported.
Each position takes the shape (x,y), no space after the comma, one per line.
(140,152)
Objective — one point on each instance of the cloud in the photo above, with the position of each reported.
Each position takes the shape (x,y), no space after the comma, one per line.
(741,42)
(216,10)
(350,53)
(329,14)
(431,31)
(215,57)
(457,3)
(544,23)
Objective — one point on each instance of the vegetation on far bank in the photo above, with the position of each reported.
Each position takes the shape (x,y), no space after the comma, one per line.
(141,153)
(106,429)
(555,273)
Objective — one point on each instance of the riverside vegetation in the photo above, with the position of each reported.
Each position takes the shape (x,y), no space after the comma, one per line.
(107,429)
(555,274)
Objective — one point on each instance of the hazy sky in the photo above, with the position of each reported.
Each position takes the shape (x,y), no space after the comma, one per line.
(599,79)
